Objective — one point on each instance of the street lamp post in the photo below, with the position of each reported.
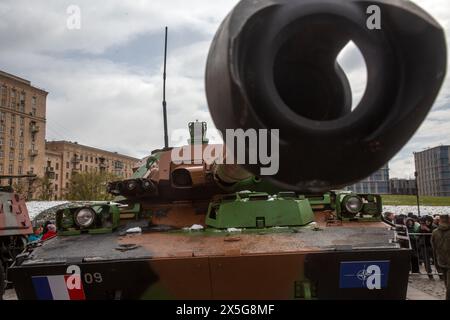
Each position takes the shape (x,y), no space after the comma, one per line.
(417,193)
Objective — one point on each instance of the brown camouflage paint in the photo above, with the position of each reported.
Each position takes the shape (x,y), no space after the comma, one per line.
(14,219)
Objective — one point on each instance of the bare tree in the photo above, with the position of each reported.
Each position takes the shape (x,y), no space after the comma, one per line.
(90,186)
(28,187)
(44,188)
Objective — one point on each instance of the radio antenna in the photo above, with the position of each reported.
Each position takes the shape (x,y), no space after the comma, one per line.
(164,103)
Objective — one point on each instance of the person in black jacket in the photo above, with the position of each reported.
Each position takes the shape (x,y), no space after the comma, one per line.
(426,253)
(440,241)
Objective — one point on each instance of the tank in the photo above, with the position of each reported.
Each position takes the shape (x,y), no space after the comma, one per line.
(195,223)
(15,225)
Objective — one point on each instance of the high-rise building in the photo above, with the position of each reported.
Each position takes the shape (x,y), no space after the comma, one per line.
(64,159)
(22,126)
(403,186)
(433,171)
(377,183)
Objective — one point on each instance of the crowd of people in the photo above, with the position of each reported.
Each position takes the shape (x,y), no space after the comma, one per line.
(42,233)
(430,242)
(415,224)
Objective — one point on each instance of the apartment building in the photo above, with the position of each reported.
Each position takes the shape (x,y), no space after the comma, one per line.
(23,149)
(63,159)
(22,126)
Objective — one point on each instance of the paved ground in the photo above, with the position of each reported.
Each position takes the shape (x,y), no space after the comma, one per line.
(420,283)
(415,294)
(420,288)
(10,295)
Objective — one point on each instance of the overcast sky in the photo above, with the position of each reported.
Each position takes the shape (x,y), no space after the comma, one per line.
(104,80)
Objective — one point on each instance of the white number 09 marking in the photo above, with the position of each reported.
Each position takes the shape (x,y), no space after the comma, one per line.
(90,278)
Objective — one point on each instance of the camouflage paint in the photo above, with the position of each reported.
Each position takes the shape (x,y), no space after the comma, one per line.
(14,219)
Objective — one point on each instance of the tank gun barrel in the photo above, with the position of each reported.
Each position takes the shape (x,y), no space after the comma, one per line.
(272,65)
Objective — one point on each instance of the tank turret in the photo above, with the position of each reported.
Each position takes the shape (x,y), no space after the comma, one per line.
(196,171)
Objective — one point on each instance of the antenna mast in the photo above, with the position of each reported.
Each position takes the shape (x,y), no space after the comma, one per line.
(164,103)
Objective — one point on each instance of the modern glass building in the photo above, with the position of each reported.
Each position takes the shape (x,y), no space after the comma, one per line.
(403,186)
(377,183)
(433,169)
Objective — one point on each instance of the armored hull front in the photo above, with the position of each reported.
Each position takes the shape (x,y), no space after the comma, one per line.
(319,261)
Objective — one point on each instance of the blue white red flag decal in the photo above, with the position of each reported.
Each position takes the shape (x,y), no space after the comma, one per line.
(57,288)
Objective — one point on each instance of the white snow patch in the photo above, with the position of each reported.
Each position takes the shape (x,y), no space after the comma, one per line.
(134,230)
(194,227)
(313,224)
(424,210)
(36,207)
(234,230)
(93,259)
